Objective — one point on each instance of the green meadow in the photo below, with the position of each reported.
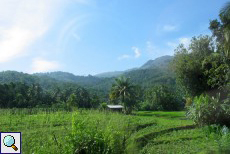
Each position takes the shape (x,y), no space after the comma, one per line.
(87,131)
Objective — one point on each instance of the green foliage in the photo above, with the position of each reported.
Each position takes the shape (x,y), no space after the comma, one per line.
(187,64)
(21,95)
(221,30)
(225,18)
(102,132)
(51,131)
(103,105)
(124,90)
(207,111)
(44,129)
(188,102)
(221,137)
(71,102)
(216,70)
(162,97)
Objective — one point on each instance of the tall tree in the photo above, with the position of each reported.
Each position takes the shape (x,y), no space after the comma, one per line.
(125,90)
(225,19)
(187,64)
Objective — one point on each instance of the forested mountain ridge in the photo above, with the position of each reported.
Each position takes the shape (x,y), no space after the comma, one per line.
(69,77)
(160,62)
(152,72)
(46,82)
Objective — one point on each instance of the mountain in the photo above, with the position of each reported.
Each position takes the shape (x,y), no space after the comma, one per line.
(113,74)
(69,77)
(47,83)
(152,76)
(109,74)
(161,62)
(151,73)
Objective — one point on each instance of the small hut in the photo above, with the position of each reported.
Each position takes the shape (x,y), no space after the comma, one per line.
(115,108)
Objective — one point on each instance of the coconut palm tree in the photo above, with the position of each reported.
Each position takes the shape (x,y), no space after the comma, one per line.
(125,90)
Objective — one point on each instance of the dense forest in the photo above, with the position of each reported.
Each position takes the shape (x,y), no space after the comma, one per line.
(54,89)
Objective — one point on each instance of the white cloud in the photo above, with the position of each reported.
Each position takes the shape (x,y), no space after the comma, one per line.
(155,51)
(22,23)
(137,52)
(172,44)
(42,65)
(185,40)
(150,47)
(169,28)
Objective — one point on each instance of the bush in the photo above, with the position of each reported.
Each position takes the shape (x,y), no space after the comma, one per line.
(188,102)
(103,106)
(221,137)
(206,111)
(95,132)
(162,97)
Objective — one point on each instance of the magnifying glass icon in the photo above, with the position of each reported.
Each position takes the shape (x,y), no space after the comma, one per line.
(9,141)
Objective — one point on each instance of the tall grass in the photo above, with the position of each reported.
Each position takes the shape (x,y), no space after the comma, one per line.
(107,132)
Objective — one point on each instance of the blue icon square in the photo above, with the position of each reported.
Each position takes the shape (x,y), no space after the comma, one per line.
(10,142)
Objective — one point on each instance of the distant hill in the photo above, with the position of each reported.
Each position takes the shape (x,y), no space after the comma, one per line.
(151,73)
(114,74)
(149,77)
(69,77)
(161,62)
(109,74)
(46,82)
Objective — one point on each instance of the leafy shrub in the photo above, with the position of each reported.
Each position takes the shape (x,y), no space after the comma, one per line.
(188,102)
(221,137)
(206,111)
(95,132)
(162,97)
(103,106)
(145,106)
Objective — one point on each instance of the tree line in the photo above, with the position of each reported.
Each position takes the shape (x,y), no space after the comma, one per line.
(21,95)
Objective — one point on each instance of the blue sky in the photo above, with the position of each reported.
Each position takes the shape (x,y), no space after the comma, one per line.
(94,36)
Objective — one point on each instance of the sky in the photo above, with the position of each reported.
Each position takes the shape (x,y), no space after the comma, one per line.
(94,36)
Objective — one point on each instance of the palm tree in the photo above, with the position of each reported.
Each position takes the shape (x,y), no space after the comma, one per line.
(225,19)
(125,90)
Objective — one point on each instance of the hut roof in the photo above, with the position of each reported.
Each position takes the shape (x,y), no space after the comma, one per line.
(115,106)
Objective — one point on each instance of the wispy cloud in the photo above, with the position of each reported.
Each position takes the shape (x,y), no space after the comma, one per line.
(183,40)
(137,54)
(124,57)
(23,22)
(77,37)
(42,65)
(71,29)
(166,28)
(150,47)
(155,51)
(169,28)
(172,44)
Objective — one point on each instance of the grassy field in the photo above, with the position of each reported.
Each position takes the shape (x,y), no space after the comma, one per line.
(45,131)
